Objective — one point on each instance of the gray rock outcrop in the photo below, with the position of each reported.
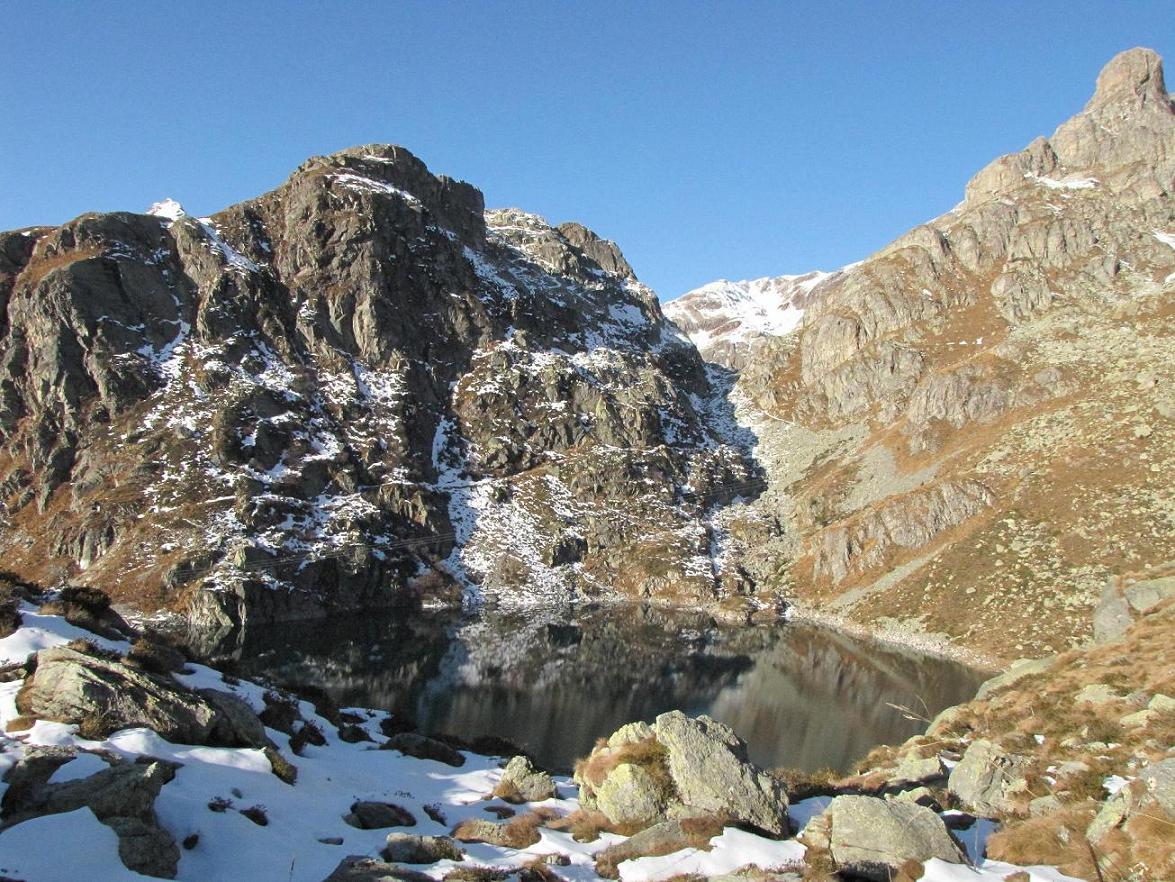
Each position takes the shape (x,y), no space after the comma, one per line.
(122,797)
(683,766)
(522,782)
(72,687)
(873,837)
(988,780)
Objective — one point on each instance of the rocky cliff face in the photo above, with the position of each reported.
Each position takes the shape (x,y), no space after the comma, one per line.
(972,430)
(358,389)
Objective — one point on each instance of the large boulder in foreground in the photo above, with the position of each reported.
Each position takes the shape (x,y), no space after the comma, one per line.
(680,767)
(102,694)
(873,838)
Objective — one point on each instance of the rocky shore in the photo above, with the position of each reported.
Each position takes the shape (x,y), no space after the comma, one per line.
(134,761)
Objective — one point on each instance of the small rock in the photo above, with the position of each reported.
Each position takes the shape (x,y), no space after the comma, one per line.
(407,848)
(522,782)
(1043,805)
(376,815)
(1097,693)
(423,747)
(922,796)
(913,770)
(357,868)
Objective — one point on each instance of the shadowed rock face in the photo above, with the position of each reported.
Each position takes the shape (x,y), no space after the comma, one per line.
(970,432)
(356,390)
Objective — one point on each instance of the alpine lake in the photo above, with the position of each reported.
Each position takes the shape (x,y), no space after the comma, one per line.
(553,681)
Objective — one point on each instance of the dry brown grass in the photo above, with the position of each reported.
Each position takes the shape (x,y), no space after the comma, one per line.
(507,791)
(801,784)
(519,832)
(647,753)
(586,826)
(20,724)
(1057,839)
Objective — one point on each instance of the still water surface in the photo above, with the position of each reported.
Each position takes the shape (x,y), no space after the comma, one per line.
(555,680)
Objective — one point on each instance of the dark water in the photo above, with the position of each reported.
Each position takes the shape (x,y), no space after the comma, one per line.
(554,681)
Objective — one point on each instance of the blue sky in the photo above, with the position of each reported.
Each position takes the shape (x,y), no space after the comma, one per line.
(708,139)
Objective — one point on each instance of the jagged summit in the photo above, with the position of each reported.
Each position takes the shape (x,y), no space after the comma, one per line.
(1124,138)
(952,434)
(1132,80)
(167,208)
(358,389)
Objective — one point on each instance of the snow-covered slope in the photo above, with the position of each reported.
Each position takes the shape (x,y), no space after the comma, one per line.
(724,318)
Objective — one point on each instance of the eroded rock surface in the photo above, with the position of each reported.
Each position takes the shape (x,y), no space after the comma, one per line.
(357,390)
(970,432)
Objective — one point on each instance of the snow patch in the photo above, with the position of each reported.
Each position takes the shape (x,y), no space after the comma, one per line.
(168,208)
(1063,183)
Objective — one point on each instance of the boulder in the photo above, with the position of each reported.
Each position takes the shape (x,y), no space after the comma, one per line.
(145,847)
(511,834)
(122,797)
(522,782)
(664,838)
(237,724)
(987,778)
(873,837)
(407,848)
(1018,670)
(106,695)
(1144,596)
(357,868)
(631,795)
(709,767)
(376,815)
(1160,783)
(423,747)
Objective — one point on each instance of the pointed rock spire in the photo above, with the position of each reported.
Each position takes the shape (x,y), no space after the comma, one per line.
(1132,79)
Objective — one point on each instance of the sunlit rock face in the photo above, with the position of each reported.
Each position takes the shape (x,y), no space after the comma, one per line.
(970,431)
(357,390)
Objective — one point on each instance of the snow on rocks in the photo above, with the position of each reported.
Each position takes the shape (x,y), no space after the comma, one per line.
(236,819)
(168,209)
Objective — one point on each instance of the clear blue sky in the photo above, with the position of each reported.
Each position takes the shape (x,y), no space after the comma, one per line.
(733,139)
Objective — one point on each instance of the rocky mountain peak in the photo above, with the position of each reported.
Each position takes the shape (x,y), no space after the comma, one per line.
(1131,80)
(997,378)
(354,390)
(1122,140)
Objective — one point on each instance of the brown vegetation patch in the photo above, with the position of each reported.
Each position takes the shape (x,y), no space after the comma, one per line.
(648,753)
(1057,839)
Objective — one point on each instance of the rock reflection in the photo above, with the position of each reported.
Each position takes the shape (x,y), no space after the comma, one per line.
(554,680)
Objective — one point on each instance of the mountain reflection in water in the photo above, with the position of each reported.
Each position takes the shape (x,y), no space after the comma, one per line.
(555,680)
